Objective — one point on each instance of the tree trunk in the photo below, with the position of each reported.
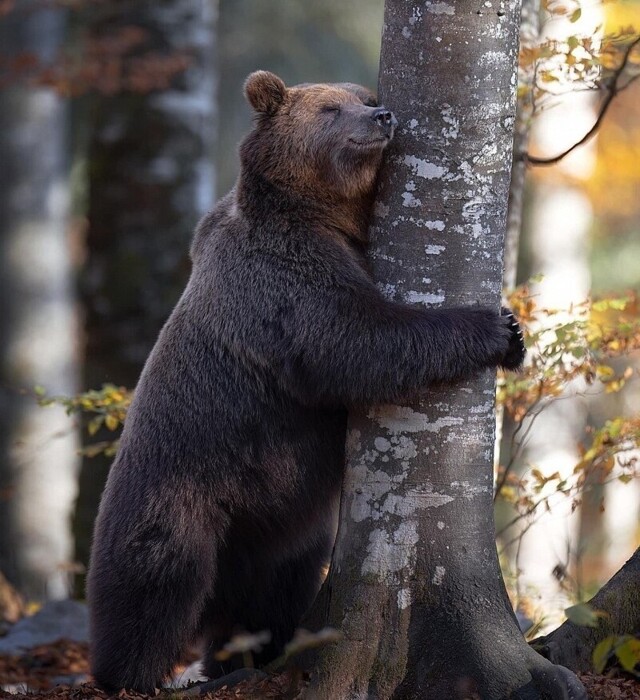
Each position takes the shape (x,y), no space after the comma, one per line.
(572,645)
(38,326)
(415,583)
(559,221)
(529,37)
(151,177)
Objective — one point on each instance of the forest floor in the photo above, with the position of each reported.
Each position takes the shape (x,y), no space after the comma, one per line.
(35,675)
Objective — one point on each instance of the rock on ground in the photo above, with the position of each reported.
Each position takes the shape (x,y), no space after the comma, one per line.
(60,619)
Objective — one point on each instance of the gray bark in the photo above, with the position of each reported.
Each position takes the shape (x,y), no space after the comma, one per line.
(529,36)
(559,220)
(415,584)
(572,645)
(38,462)
(151,177)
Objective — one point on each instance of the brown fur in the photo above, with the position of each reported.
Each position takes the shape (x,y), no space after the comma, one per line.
(219,510)
(293,148)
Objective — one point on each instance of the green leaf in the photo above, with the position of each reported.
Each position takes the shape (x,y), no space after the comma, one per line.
(606,304)
(614,427)
(583,615)
(618,304)
(575,15)
(39,390)
(602,653)
(628,653)
(94,425)
(111,422)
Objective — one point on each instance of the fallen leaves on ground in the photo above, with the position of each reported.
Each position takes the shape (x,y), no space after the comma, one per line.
(39,667)
(605,688)
(282,686)
(279,687)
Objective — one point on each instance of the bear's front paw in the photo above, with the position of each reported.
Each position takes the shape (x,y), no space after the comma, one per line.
(515,354)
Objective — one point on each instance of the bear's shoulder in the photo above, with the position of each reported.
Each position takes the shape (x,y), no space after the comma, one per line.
(224,217)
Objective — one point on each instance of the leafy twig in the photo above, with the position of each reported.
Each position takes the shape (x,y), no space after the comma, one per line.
(613,90)
(515,453)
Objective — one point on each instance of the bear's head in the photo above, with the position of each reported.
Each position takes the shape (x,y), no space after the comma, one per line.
(316,140)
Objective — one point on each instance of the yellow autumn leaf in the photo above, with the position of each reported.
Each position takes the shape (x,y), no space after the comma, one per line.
(111,422)
(604,372)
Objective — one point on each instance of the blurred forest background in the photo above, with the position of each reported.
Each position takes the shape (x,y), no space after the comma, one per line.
(119,125)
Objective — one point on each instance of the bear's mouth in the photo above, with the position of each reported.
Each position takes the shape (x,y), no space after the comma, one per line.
(370,143)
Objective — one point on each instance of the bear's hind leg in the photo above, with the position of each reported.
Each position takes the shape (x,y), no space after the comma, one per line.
(145,604)
(275,600)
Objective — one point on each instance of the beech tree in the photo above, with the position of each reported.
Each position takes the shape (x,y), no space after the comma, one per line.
(38,461)
(152,125)
(415,585)
(152,117)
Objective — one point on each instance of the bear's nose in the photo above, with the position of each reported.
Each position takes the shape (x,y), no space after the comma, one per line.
(385,120)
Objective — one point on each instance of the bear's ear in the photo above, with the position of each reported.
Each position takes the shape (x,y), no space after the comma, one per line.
(264,91)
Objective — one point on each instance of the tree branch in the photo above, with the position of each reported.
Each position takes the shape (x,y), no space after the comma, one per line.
(613,90)
(518,449)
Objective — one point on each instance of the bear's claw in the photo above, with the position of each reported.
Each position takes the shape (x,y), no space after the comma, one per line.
(515,354)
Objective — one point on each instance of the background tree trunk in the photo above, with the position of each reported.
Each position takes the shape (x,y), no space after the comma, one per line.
(415,584)
(151,177)
(529,37)
(38,462)
(559,219)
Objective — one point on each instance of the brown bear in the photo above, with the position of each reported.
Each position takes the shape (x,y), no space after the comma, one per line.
(219,508)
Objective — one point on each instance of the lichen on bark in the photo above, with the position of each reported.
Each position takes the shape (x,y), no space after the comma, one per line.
(421,551)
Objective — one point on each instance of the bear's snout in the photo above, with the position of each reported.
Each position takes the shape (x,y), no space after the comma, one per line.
(386,120)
